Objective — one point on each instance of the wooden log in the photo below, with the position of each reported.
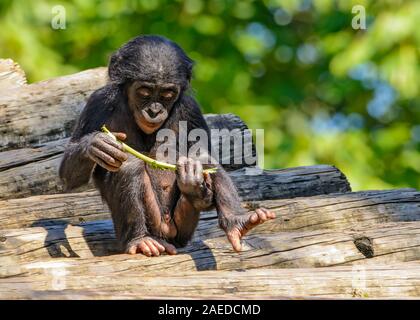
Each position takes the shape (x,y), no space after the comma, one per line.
(381,243)
(335,211)
(41,177)
(46,110)
(87,206)
(372,281)
(11,76)
(19,157)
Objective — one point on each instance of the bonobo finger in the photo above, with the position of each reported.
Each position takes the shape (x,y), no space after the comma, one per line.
(145,249)
(103,138)
(235,240)
(180,167)
(106,157)
(158,246)
(253,219)
(152,247)
(103,164)
(189,168)
(198,171)
(169,248)
(261,215)
(268,213)
(114,152)
(207,179)
(132,249)
(120,135)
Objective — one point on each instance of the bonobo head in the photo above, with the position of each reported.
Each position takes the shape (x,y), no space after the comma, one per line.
(154,73)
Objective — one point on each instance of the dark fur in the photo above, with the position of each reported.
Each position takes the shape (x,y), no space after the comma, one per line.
(147,58)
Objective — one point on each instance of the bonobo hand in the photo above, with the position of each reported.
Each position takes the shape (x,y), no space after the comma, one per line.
(191,180)
(105,151)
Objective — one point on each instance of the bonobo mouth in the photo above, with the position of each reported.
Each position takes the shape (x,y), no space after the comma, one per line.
(154,118)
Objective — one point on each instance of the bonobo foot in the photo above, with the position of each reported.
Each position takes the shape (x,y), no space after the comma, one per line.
(149,246)
(238,226)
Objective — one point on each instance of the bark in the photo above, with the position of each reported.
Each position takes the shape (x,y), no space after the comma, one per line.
(46,110)
(87,206)
(379,243)
(400,280)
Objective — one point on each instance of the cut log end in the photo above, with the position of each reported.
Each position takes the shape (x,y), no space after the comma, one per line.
(11,75)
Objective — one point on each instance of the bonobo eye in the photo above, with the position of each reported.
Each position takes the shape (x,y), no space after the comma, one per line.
(145,92)
(167,94)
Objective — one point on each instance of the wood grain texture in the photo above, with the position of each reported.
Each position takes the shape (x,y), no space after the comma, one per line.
(46,110)
(12,77)
(41,177)
(88,206)
(20,157)
(335,211)
(400,280)
(381,243)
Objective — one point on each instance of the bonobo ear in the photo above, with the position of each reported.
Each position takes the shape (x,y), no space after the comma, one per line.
(189,65)
(114,66)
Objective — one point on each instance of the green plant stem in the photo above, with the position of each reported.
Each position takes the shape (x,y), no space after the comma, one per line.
(152,162)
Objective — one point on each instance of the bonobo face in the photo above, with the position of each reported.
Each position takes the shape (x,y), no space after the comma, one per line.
(151,103)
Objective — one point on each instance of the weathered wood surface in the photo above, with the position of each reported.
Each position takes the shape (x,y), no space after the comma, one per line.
(380,243)
(23,156)
(88,206)
(377,281)
(46,110)
(41,177)
(11,76)
(335,211)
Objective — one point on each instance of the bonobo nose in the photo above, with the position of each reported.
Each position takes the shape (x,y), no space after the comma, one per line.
(154,110)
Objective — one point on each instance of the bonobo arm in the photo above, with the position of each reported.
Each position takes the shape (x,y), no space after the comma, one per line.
(77,164)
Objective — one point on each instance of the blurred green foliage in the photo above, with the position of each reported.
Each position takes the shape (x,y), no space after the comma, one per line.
(323,92)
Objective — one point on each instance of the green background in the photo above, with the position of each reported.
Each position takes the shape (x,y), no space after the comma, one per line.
(323,91)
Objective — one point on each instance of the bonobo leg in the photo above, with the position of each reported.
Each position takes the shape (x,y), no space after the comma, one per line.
(200,192)
(196,196)
(128,195)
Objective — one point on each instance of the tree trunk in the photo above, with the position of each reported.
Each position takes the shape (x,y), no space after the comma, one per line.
(263,247)
(11,76)
(87,206)
(46,110)
(400,280)
(335,211)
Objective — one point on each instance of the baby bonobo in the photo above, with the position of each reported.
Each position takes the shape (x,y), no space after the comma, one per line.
(153,211)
